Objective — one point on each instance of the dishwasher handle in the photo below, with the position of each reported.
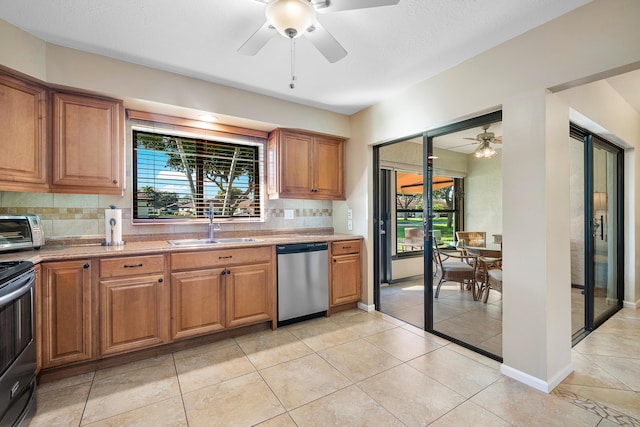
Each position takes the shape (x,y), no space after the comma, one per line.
(301,247)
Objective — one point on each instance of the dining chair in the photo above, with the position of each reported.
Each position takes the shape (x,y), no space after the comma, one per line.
(413,238)
(472,238)
(491,276)
(462,271)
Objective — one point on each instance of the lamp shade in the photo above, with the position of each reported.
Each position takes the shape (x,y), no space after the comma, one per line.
(291,18)
(484,150)
(599,201)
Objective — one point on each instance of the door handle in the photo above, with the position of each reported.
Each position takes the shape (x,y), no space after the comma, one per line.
(595,224)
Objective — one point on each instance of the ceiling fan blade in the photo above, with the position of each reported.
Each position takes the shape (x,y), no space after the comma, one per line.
(258,40)
(325,43)
(472,139)
(340,5)
(463,145)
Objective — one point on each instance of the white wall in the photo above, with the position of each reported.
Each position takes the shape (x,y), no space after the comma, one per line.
(483,195)
(72,216)
(516,74)
(581,46)
(599,108)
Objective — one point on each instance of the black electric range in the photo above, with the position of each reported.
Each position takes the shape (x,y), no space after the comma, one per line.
(11,269)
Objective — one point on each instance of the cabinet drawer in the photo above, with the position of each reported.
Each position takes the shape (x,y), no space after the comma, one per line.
(130,266)
(345,247)
(219,258)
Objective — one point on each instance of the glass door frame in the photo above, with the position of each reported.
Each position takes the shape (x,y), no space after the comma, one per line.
(592,141)
(427,157)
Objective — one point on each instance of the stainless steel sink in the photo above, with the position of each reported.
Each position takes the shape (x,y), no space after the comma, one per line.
(206,242)
(192,242)
(238,240)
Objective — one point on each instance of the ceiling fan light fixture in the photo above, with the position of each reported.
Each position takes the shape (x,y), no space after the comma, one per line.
(291,18)
(484,150)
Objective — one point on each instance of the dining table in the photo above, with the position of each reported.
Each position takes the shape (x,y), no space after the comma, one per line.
(491,250)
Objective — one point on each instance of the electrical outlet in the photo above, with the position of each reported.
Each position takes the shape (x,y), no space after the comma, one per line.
(288,214)
(349,224)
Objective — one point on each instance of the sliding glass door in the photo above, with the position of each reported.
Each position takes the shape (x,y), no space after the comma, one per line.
(605,296)
(596,231)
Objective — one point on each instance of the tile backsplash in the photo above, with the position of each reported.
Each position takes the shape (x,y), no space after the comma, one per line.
(70,216)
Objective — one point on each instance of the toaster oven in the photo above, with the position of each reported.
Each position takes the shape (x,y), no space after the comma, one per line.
(20,232)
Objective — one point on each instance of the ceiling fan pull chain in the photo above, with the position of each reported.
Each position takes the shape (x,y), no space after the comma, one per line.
(293,63)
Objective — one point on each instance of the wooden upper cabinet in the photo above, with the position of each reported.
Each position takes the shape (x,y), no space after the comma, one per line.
(88,144)
(304,165)
(23,135)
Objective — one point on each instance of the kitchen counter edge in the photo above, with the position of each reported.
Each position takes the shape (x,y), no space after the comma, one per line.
(62,253)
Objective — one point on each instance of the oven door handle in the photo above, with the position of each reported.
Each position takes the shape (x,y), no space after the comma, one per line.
(17,289)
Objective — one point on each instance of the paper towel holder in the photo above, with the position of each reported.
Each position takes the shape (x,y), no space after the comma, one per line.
(112,224)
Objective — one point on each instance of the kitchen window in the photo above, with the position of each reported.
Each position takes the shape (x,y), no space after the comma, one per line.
(177,176)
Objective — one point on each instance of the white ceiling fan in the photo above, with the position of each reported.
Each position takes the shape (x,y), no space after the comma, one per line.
(484,139)
(295,18)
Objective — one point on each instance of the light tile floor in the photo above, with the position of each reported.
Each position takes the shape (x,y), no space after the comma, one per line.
(352,369)
(456,314)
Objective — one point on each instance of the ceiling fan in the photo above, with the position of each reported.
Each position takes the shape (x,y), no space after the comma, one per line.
(484,139)
(296,18)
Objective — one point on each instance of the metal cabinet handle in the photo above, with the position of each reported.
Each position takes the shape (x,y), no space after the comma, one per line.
(115,181)
(132,265)
(223,272)
(346,247)
(160,280)
(86,265)
(225,257)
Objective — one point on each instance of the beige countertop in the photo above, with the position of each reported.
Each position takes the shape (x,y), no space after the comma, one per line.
(52,252)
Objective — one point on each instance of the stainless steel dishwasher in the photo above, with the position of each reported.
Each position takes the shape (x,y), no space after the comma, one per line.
(303,281)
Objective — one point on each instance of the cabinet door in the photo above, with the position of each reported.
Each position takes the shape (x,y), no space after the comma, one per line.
(66,312)
(346,283)
(296,164)
(87,144)
(134,313)
(328,168)
(23,127)
(249,294)
(197,303)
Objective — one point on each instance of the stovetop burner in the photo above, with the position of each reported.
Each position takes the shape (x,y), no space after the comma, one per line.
(10,269)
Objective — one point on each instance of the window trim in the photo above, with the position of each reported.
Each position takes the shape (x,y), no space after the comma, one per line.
(175,126)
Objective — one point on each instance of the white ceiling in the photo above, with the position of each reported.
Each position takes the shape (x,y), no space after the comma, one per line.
(389,48)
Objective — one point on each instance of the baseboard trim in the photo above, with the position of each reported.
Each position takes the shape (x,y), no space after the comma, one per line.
(629,304)
(365,307)
(537,383)
(405,279)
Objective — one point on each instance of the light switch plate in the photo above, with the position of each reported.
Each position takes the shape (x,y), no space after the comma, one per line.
(288,214)
(349,213)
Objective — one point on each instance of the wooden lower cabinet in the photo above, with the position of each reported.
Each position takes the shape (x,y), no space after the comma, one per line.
(249,294)
(134,313)
(214,290)
(346,272)
(90,309)
(66,319)
(197,302)
(133,304)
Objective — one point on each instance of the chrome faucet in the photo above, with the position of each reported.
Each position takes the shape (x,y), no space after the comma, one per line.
(211,227)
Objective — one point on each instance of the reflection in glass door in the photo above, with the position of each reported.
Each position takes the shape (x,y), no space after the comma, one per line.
(596,231)
(604,297)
